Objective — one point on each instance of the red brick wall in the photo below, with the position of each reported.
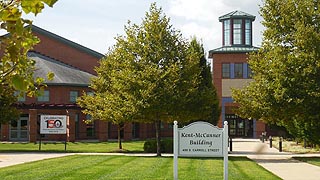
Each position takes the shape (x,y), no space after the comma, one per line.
(59,95)
(67,54)
(217,61)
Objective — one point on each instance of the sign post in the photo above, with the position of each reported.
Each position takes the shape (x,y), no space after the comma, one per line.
(200,139)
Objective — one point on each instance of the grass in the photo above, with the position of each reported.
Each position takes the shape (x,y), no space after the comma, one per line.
(98,147)
(310,160)
(293,147)
(132,167)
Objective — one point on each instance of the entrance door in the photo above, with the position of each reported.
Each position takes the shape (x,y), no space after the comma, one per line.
(239,127)
(19,129)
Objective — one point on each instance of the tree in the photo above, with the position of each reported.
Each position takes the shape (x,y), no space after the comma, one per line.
(112,99)
(151,75)
(286,86)
(16,70)
(206,102)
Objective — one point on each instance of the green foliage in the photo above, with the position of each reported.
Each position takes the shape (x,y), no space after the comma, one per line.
(150,146)
(16,69)
(286,86)
(205,103)
(150,75)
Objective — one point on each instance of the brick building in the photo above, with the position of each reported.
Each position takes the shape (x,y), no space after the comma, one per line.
(73,66)
(231,70)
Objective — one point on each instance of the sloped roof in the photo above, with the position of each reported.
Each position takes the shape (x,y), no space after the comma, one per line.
(237,14)
(233,49)
(64,73)
(66,41)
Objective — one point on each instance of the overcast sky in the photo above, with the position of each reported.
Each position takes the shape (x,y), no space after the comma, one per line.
(95,23)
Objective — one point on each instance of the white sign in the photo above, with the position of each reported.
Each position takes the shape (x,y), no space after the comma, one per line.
(53,124)
(200,139)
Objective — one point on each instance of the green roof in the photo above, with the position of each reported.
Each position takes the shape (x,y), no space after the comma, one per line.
(237,15)
(233,49)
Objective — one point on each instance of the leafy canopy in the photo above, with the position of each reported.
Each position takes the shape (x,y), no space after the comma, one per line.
(16,69)
(152,75)
(286,87)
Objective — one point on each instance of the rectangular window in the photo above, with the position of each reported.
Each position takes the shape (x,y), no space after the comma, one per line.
(21,96)
(73,96)
(237,28)
(90,93)
(44,97)
(225,70)
(249,72)
(238,70)
(90,127)
(226,26)
(248,32)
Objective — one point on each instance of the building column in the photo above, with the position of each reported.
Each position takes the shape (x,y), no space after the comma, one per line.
(33,125)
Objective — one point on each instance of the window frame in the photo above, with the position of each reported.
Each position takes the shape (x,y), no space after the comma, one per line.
(236,68)
(237,31)
(248,32)
(226,33)
(73,98)
(45,97)
(223,72)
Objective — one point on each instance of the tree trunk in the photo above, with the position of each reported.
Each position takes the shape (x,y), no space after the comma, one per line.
(158,136)
(119,136)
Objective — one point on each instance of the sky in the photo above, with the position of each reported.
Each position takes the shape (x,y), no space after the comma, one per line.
(95,23)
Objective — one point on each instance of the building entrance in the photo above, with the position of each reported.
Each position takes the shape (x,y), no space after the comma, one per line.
(19,130)
(239,127)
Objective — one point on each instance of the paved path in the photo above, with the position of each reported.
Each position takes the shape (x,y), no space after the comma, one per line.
(279,163)
(9,159)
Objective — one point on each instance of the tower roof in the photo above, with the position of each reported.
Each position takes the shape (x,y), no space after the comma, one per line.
(237,14)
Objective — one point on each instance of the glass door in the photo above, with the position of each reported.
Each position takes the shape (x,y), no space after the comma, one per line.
(239,127)
(19,130)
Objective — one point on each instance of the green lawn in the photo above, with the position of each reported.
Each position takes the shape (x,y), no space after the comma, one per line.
(132,146)
(310,160)
(129,167)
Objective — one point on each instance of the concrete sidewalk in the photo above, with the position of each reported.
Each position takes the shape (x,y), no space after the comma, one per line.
(9,159)
(279,163)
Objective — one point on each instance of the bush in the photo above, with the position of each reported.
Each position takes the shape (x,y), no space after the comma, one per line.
(150,146)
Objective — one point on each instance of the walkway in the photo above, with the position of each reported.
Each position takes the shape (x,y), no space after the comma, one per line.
(279,163)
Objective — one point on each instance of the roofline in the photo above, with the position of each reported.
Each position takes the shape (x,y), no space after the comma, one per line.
(213,51)
(66,41)
(232,15)
(67,84)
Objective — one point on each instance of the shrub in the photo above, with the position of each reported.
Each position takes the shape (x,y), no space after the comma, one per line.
(150,146)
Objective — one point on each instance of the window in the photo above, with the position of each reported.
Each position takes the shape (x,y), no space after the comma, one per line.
(226,27)
(238,71)
(90,93)
(237,28)
(225,70)
(73,96)
(249,72)
(44,97)
(248,32)
(90,127)
(21,96)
